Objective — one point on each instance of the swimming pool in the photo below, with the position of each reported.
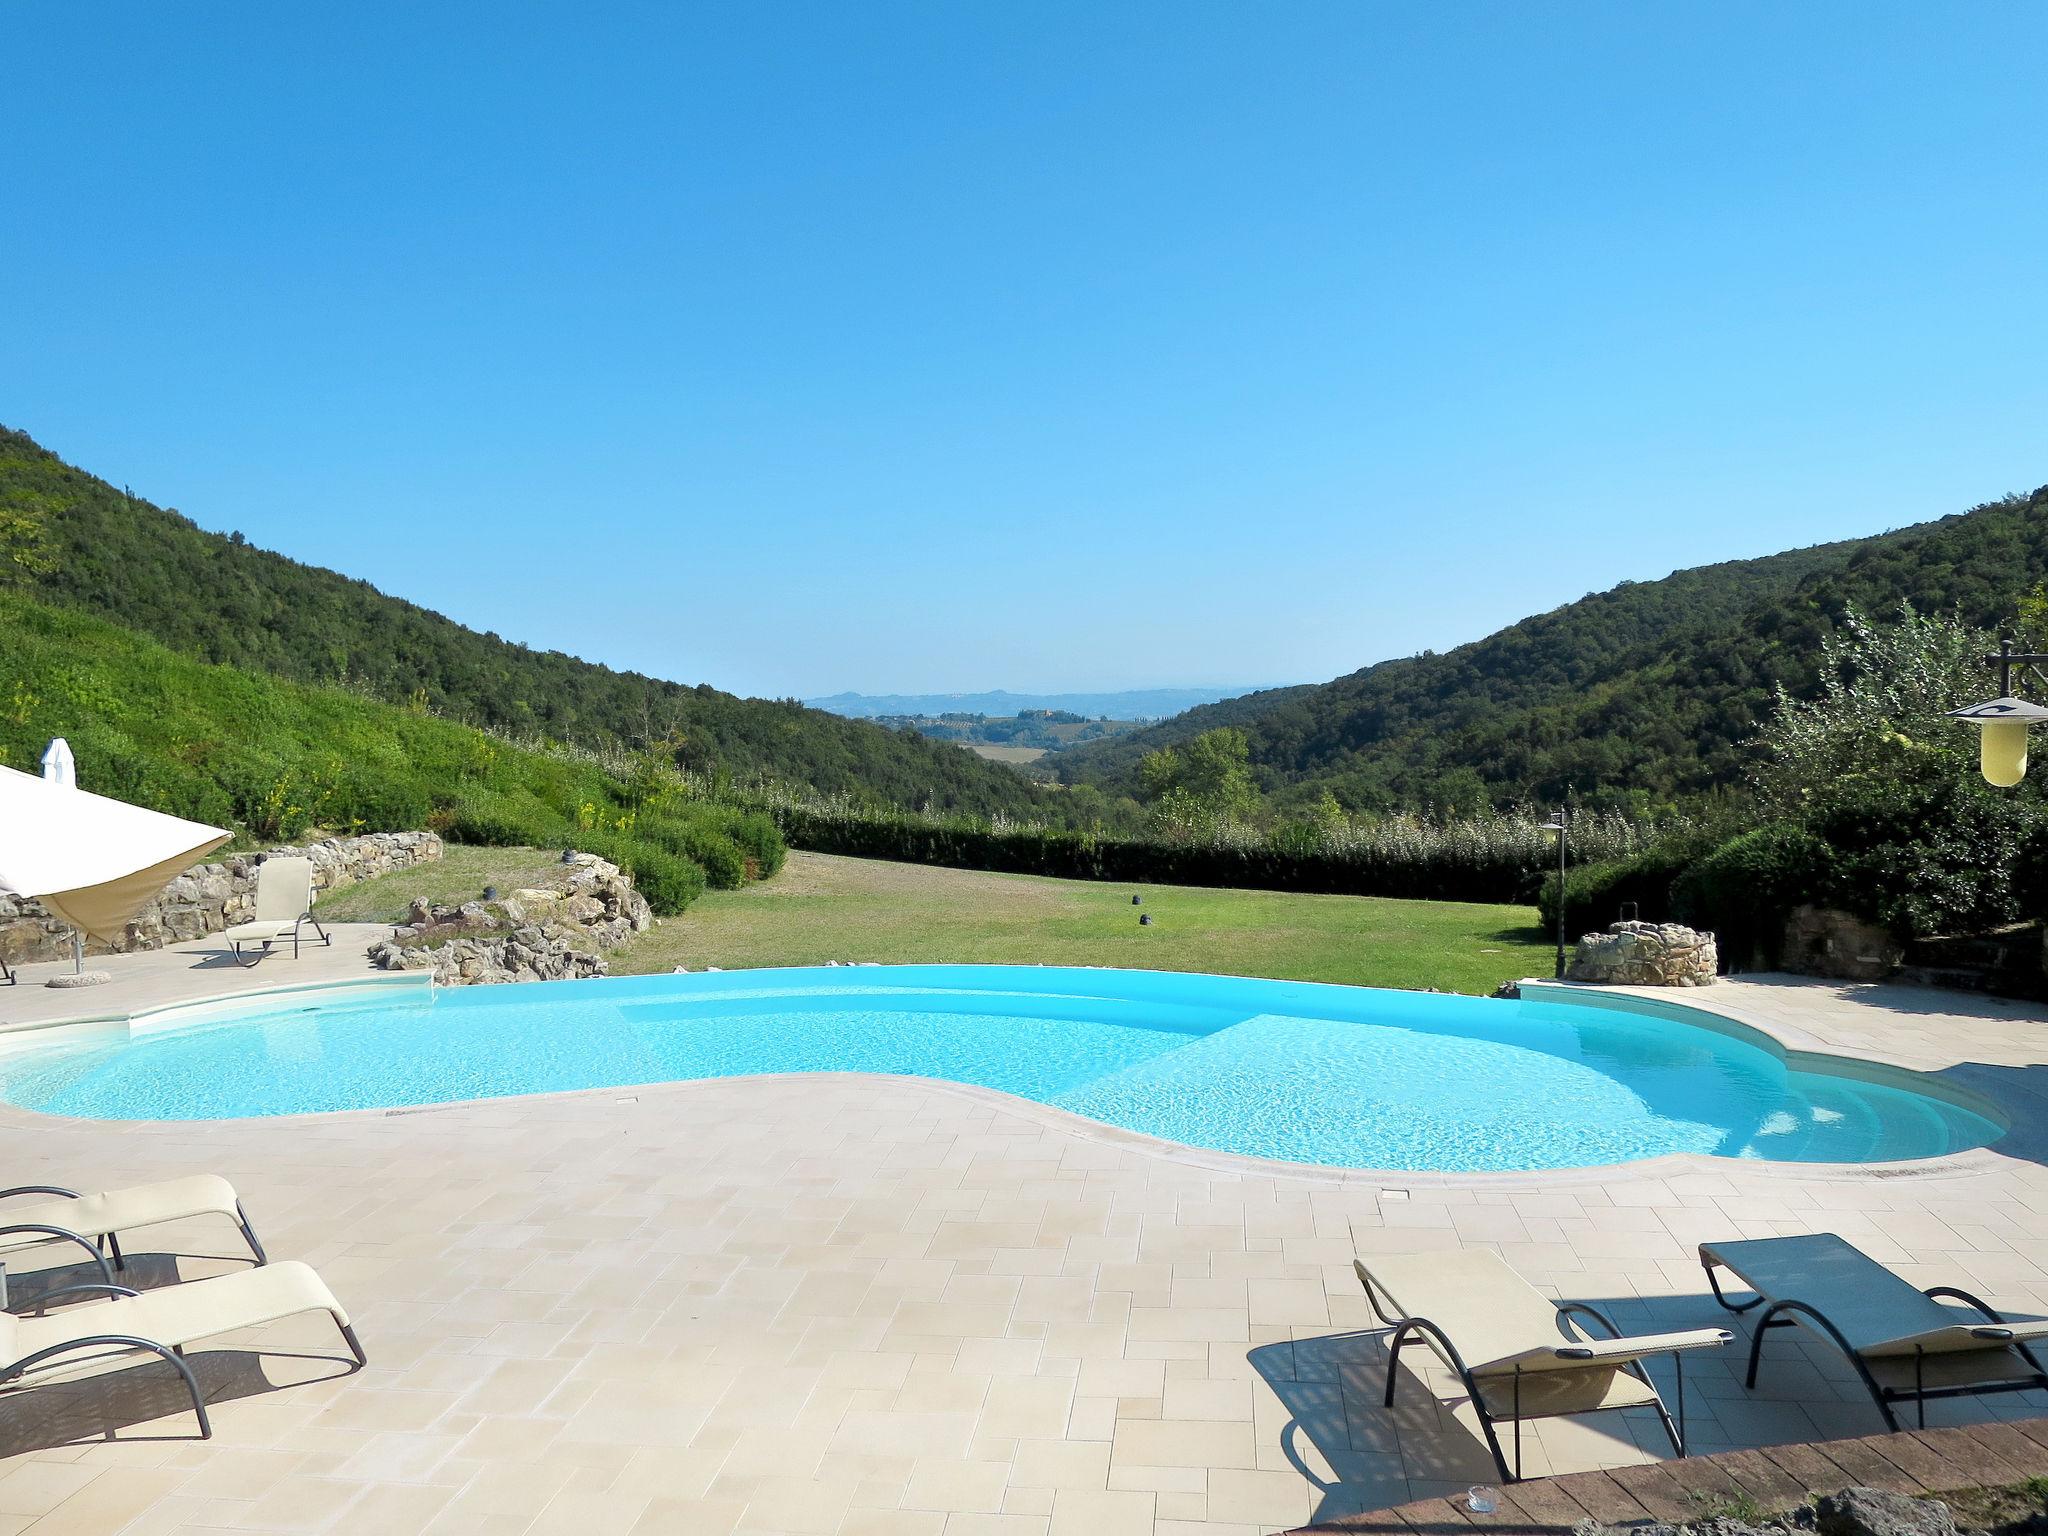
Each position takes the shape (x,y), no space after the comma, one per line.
(1316,1074)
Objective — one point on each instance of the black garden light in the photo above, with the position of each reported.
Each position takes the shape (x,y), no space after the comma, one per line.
(2002,722)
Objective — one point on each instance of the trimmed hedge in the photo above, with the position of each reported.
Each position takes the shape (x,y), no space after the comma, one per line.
(1088,856)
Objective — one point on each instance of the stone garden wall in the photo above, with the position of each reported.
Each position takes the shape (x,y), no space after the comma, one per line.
(211,897)
(1822,942)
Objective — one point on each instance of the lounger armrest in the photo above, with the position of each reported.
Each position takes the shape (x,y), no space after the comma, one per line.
(1567,1353)
(1962,1334)
(28,1234)
(2017,1328)
(40,1189)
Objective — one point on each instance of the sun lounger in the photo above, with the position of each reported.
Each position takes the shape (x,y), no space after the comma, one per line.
(1519,1354)
(83,1339)
(95,1222)
(284,904)
(1907,1345)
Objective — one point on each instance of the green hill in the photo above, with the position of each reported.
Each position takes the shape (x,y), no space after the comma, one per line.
(274,758)
(73,540)
(1638,697)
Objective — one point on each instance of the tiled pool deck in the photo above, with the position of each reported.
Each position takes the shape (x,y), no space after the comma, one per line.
(840,1304)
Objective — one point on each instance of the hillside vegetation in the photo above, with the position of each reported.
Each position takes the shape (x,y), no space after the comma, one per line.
(73,540)
(274,758)
(1638,697)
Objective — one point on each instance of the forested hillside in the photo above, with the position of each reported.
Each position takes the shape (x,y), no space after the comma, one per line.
(72,539)
(1638,697)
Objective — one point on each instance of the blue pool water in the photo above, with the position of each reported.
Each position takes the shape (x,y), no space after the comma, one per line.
(1314,1074)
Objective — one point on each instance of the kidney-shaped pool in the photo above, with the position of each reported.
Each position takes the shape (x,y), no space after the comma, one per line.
(1315,1074)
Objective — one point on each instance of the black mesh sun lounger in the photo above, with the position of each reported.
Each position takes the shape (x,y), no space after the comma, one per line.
(1907,1345)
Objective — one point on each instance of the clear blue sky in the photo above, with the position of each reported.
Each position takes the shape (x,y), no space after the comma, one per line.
(958,345)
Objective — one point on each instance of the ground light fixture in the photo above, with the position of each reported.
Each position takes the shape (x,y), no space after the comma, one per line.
(1559,830)
(2002,723)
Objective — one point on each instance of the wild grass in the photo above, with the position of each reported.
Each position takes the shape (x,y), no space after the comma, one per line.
(459,876)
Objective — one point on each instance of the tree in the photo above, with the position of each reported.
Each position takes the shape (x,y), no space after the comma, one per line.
(1881,712)
(28,546)
(1198,788)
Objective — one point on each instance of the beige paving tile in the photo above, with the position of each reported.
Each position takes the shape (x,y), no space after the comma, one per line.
(1076,1512)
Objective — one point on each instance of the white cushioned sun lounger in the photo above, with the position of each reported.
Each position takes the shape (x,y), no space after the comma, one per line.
(1908,1345)
(284,903)
(1519,1354)
(79,1340)
(93,1220)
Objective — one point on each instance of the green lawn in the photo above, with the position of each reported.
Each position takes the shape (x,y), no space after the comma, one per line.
(460,876)
(823,908)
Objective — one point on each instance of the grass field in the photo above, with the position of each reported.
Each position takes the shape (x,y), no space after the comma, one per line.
(822,907)
(827,908)
(458,877)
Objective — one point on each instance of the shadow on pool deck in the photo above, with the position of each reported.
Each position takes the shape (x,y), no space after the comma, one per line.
(146,1396)
(1357,1452)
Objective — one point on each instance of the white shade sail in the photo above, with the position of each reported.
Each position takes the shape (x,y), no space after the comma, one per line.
(93,861)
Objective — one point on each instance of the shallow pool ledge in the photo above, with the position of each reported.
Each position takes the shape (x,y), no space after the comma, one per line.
(2007,1094)
(114,1023)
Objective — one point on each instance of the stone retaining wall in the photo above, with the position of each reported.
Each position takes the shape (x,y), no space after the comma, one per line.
(211,897)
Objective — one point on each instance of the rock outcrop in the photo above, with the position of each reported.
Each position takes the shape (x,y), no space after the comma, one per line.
(549,932)
(1876,1512)
(1646,955)
(210,897)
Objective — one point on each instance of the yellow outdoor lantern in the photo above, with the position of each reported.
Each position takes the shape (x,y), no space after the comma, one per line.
(2002,737)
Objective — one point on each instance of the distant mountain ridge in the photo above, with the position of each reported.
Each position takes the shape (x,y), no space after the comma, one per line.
(1643,696)
(1127,704)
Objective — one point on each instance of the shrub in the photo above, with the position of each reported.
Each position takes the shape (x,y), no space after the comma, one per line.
(1934,857)
(497,822)
(761,841)
(1595,893)
(374,804)
(669,881)
(724,866)
(702,834)
(1745,889)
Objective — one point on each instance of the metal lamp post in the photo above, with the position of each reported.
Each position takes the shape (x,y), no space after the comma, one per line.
(2002,723)
(1558,830)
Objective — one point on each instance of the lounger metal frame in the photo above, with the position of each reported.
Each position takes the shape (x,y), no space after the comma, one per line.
(7,973)
(1786,1313)
(235,945)
(1408,1329)
(173,1353)
(107,1246)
